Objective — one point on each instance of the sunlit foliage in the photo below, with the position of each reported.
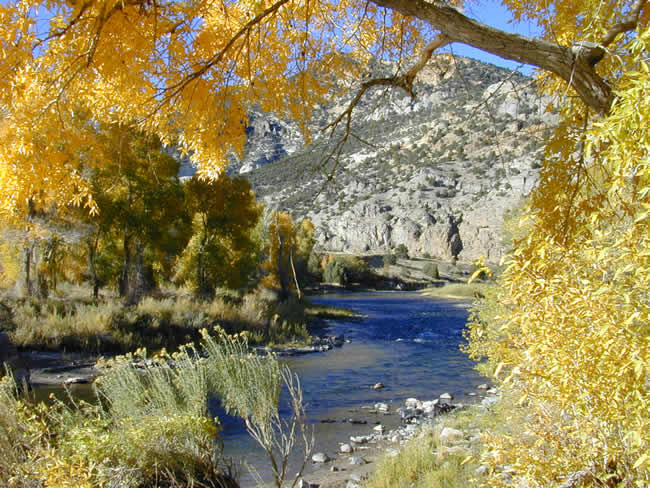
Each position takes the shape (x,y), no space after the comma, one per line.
(570,325)
(223,250)
(188,71)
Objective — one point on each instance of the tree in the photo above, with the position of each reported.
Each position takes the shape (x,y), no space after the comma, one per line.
(280,246)
(222,250)
(189,71)
(141,213)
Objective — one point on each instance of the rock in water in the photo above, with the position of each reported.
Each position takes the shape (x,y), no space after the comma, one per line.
(320,457)
(378,386)
(345,448)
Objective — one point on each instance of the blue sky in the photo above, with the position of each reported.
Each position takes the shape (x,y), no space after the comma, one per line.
(492,13)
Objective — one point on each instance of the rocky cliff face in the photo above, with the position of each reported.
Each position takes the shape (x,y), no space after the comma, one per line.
(436,173)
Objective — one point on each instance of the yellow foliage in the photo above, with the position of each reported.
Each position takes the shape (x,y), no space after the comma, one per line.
(571,324)
(9,263)
(188,71)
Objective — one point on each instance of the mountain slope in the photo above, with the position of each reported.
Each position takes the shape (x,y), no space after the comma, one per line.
(436,173)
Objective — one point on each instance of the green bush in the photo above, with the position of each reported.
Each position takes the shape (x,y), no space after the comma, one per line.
(431,270)
(335,272)
(402,251)
(389,259)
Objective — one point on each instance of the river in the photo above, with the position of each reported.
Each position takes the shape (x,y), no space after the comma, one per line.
(408,342)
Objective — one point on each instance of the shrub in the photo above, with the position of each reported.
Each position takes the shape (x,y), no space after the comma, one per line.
(335,272)
(431,270)
(389,259)
(402,251)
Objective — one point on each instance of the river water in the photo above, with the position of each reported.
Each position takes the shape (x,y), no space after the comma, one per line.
(408,342)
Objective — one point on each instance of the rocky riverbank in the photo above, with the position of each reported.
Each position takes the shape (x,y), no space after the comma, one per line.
(356,457)
(37,368)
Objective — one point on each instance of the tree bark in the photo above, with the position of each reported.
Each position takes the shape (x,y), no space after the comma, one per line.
(574,64)
(124,283)
(282,275)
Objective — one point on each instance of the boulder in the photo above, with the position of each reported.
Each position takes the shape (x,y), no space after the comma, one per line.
(345,448)
(357,460)
(451,435)
(320,457)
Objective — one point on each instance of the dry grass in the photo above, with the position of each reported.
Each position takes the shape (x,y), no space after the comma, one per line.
(458,290)
(155,323)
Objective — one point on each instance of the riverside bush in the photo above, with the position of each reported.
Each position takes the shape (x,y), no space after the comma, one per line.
(153,323)
(151,426)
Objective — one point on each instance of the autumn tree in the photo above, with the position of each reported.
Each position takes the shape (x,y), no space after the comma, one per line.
(141,219)
(279,249)
(223,250)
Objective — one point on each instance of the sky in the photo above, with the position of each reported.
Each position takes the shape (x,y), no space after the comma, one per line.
(492,13)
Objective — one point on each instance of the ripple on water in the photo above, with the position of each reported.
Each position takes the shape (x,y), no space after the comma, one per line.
(405,341)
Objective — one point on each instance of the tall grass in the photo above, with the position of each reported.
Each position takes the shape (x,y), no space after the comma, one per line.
(458,290)
(154,323)
(16,439)
(151,426)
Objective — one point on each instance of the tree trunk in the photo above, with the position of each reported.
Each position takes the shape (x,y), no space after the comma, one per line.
(295,276)
(24,284)
(124,282)
(282,275)
(92,267)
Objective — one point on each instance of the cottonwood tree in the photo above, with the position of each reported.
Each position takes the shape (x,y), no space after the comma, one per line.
(223,250)
(573,332)
(141,218)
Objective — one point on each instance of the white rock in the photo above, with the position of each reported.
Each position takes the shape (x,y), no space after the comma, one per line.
(428,406)
(382,407)
(320,457)
(483,386)
(345,448)
(361,439)
(449,435)
(482,470)
(446,396)
(379,428)
(357,461)
(412,403)
(378,386)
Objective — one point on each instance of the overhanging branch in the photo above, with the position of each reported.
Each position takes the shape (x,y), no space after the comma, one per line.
(574,64)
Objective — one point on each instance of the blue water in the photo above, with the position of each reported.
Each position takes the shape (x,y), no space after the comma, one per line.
(407,342)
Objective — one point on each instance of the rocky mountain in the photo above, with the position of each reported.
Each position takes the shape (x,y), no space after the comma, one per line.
(436,173)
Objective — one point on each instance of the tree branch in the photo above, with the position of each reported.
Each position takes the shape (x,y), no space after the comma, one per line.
(626,26)
(574,64)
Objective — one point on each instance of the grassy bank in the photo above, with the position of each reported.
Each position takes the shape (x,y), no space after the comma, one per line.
(458,290)
(151,427)
(111,326)
(438,459)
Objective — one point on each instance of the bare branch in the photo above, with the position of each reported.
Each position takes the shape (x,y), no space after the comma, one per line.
(626,26)
(404,81)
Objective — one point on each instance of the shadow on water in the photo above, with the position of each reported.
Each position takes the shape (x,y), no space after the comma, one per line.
(407,342)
